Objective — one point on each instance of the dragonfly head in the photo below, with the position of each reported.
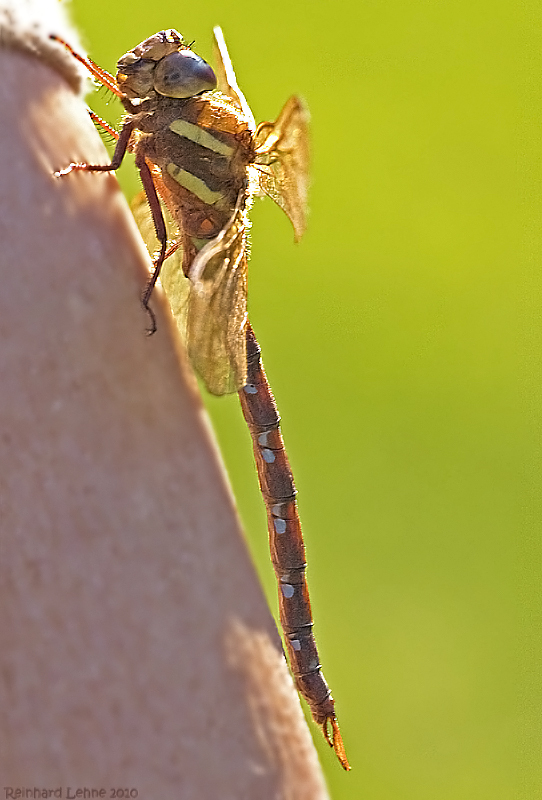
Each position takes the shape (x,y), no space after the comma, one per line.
(163,64)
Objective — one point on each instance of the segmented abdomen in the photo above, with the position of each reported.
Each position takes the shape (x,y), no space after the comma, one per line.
(286,544)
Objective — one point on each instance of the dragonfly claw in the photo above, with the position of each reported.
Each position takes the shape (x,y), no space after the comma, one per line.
(152,317)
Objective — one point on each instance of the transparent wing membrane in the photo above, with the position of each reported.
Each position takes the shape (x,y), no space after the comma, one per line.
(282,158)
(217,314)
(227,82)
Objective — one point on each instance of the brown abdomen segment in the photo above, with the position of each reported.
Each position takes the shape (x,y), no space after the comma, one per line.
(286,544)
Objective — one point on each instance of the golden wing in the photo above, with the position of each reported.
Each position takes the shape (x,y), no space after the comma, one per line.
(226,80)
(282,147)
(210,305)
(217,310)
(282,160)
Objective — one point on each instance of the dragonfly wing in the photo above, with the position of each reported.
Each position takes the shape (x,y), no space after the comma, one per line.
(225,75)
(282,160)
(217,311)
(210,305)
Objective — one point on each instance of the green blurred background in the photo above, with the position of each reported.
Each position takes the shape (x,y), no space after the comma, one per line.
(388,339)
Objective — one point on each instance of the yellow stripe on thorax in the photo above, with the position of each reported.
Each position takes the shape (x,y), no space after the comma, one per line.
(194,184)
(200,136)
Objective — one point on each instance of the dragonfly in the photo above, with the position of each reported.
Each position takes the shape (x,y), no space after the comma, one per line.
(202,160)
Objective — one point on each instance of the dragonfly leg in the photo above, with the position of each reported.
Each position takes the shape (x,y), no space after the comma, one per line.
(101,75)
(101,123)
(161,235)
(116,161)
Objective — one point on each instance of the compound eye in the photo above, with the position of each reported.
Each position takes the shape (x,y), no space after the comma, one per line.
(183,74)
